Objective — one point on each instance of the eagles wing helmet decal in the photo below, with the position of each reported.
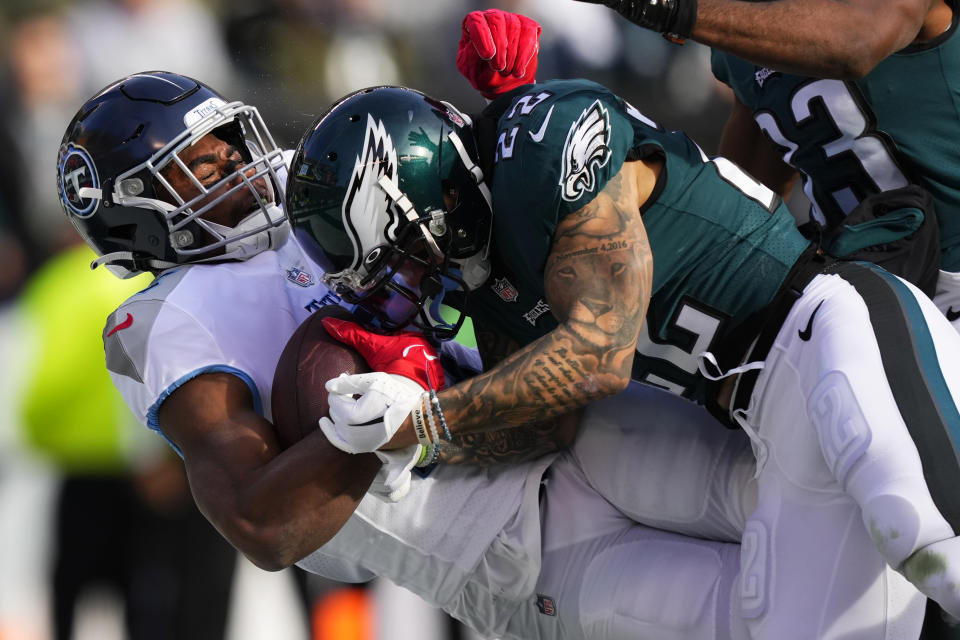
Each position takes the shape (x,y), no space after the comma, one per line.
(369,216)
(587,149)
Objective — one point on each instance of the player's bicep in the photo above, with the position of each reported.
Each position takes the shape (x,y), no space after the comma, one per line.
(599,272)
(213,410)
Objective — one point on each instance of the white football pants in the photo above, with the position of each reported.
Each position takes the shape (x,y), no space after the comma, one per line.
(606,577)
(648,456)
(853,420)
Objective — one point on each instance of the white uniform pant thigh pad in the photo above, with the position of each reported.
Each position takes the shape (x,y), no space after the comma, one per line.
(842,487)
(605,577)
(666,462)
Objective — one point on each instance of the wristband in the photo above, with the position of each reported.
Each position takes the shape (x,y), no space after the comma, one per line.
(435,402)
(684,19)
(673,18)
(428,456)
(420,424)
(425,400)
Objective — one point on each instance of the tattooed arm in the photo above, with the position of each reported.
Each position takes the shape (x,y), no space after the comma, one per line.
(598,280)
(518,444)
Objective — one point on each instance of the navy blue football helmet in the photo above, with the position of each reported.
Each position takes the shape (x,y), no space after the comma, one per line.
(386,193)
(111,185)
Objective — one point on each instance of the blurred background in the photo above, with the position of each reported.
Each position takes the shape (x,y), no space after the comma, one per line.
(99,538)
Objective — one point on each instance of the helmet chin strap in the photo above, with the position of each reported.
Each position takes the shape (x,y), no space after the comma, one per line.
(114,263)
(477,174)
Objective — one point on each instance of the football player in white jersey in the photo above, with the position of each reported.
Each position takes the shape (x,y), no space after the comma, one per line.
(159,173)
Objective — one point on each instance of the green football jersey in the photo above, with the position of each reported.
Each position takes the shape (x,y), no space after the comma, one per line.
(722,243)
(851,139)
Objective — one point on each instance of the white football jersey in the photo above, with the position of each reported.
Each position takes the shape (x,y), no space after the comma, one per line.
(233,317)
(458,525)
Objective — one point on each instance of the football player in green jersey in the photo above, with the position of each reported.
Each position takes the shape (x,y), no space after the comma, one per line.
(616,250)
(850,140)
(827,91)
(853,99)
(824,38)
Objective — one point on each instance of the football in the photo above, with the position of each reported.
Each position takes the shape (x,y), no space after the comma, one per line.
(309,359)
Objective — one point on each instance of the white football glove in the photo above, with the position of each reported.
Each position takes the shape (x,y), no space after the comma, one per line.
(359,425)
(392,482)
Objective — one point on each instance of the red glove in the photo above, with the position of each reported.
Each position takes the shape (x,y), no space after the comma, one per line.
(498,51)
(407,353)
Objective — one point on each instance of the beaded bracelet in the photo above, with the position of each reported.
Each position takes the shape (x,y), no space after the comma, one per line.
(425,399)
(435,402)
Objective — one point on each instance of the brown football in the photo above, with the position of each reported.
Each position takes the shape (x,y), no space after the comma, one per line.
(310,358)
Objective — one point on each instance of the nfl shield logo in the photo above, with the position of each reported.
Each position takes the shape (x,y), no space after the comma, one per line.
(506,291)
(300,277)
(546,605)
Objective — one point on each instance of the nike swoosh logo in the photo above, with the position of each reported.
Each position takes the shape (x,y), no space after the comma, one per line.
(806,333)
(123,325)
(538,136)
(427,356)
(951,314)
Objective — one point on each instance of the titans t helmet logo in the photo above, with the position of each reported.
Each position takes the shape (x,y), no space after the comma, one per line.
(76,181)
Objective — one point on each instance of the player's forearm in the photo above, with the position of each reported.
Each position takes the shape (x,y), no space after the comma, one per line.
(548,378)
(282,511)
(513,445)
(821,38)
(274,505)
(519,444)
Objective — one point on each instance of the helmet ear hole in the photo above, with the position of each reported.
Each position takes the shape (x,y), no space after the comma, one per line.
(451,194)
(124,234)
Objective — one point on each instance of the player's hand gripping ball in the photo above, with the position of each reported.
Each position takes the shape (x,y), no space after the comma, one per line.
(366,410)
(299,400)
(406,364)
(310,358)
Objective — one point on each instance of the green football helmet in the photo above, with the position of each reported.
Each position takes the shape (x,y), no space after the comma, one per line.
(385,193)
